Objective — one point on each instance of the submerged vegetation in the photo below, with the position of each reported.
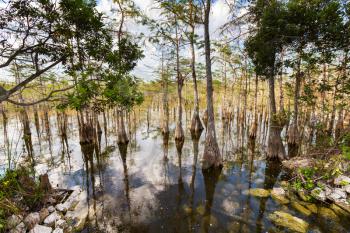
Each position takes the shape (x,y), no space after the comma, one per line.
(242,125)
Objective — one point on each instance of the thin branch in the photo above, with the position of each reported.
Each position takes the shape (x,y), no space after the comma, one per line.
(6,94)
(41,100)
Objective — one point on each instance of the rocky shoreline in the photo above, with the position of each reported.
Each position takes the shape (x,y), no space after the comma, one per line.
(66,216)
(329,199)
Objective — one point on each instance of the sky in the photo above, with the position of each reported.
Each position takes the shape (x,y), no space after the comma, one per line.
(220,14)
(145,70)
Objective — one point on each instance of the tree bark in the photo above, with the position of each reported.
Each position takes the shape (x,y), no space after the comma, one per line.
(196,124)
(275,149)
(122,136)
(254,128)
(165,124)
(211,157)
(293,132)
(179,133)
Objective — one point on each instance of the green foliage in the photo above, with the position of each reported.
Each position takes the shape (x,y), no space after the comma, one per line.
(308,95)
(308,174)
(345,146)
(19,183)
(263,46)
(18,190)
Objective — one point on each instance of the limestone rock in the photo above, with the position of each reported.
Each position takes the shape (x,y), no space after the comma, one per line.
(13,221)
(43,214)
(338,210)
(70,203)
(289,221)
(304,195)
(344,206)
(31,220)
(52,219)
(337,194)
(311,207)
(318,194)
(20,228)
(41,229)
(58,230)
(342,180)
(279,195)
(327,213)
(51,209)
(298,162)
(257,192)
(230,206)
(301,208)
(61,224)
(51,201)
(278,191)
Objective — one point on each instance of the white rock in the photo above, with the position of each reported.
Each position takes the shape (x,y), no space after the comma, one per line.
(52,219)
(51,209)
(340,192)
(318,194)
(32,219)
(347,188)
(278,191)
(342,180)
(58,230)
(328,191)
(13,221)
(230,206)
(41,229)
(61,207)
(51,201)
(337,194)
(20,228)
(70,202)
(61,224)
(43,214)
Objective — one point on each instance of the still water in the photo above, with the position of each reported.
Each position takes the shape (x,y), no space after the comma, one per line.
(152,186)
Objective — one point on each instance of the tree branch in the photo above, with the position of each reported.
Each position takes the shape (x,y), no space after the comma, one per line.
(6,94)
(41,100)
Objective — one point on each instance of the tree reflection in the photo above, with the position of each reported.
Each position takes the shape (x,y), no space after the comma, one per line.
(272,171)
(211,178)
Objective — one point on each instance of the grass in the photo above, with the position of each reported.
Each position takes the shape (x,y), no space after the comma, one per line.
(18,191)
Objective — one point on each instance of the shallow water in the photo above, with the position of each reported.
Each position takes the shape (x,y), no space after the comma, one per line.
(152,187)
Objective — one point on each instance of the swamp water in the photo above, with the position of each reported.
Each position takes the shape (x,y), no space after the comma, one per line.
(151,186)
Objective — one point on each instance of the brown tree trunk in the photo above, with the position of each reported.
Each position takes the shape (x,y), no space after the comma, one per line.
(165,122)
(254,127)
(332,120)
(196,124)
(275,149)
(122,136)
(293,132)
(179,133)
(211,157)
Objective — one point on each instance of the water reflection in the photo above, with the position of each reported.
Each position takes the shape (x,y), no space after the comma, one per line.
(272,171)
(156,185)
(211,178)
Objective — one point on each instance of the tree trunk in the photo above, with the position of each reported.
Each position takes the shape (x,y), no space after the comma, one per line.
(275,149)
(196,124)
(253,129)
(179,133)
(211,157)
(293,132)
(122,136)
(165,124)
(332,120)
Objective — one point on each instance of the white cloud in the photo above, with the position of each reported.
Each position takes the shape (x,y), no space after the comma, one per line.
(145,68)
